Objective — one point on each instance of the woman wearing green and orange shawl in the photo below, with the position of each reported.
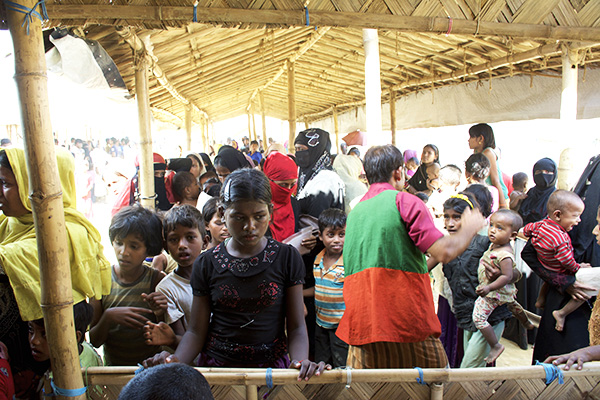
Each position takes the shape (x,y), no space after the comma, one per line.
(20,291)
(390,320)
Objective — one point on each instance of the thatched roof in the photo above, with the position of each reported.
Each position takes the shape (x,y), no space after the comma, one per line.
(236,54)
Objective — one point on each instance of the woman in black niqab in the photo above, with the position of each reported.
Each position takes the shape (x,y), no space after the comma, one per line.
(545,175)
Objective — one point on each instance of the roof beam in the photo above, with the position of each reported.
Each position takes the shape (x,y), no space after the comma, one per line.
(108,14)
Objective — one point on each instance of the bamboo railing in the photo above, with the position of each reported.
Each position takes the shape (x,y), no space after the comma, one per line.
(479,383)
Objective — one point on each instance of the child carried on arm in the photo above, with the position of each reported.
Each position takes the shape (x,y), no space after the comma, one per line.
(553,246)
(504,225)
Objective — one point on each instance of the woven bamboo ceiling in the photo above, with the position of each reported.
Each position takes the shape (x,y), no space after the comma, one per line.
(236,54)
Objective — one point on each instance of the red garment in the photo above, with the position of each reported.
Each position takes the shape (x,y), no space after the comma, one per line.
(7,386)
(507,182)
(279,167)
(553,246)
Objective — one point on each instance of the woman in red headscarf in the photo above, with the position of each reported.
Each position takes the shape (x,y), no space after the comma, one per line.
(282,172)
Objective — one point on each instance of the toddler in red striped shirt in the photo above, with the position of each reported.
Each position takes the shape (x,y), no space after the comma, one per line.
(553,245)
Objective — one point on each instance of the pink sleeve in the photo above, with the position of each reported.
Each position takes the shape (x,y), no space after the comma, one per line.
(418,221)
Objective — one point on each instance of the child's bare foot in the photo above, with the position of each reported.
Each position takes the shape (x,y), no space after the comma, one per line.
(494,353)
(560,320)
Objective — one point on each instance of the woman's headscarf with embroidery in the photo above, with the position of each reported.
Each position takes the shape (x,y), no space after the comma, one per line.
(533,207)
(316,158)
(90,271)
(279,167)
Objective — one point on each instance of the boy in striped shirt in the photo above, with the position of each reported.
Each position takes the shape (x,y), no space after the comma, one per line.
(329,285)
(553,245)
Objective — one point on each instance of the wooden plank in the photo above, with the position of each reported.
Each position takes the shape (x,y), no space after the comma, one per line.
(108,14)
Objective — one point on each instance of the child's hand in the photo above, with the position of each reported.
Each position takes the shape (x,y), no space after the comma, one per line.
(157,302)
(159,334)
(309,242)
(482,290)
(164,357)
(585,265)
(132,317)
(309,368)
(4,352)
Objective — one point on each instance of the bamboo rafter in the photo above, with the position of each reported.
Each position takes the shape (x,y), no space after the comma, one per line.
(141,50)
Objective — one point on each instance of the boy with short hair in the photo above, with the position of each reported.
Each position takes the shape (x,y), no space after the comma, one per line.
(83,313)
(254,152)
(519,193)
(185,237)
(186,188)
(553,246)
(329,285)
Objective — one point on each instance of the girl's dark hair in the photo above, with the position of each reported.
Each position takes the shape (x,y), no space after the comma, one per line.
(483,196)
(457,204)
(139,221)
(332,218)
(4,160)
(435,150)
(209,210)
(183,215)
(486,131)
(246,184)
(478,166)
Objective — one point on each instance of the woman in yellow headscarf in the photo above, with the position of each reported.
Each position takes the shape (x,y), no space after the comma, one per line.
(19,264)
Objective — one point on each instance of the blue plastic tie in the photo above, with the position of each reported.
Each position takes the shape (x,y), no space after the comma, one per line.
(420,379)
(140,369)
(67,392)
(307,16)
(29,12)
(195,19)
(552,372)
(270,378)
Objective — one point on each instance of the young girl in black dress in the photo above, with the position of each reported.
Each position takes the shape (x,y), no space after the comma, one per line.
(252,285)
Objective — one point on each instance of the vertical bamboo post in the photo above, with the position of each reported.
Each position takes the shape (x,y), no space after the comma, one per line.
(254,135)
(46,199)
(393,115)
(249,124)
(291,105)
(264,118)
(251,392)
(568,100)
(146,174)
(188,128)
(372,83)
(336,128)
(203,137)
(437,391)
(306,124)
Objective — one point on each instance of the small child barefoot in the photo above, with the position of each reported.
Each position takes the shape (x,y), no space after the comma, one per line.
(495,352)
(560,320)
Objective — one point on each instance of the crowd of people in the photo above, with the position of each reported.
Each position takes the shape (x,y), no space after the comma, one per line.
(257,257)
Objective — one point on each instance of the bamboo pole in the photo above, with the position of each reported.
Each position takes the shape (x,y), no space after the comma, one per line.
(46,199)
(188,128)
(254,125)
(291,106)
(437,391)
(252,392)
(336,127)
(107,14)
(146,174)
(568,99)
(393,115)
(263,118)
(249,124)
(257,376)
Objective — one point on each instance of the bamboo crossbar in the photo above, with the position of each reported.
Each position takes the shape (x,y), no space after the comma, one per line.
(107,14)
(257,376)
